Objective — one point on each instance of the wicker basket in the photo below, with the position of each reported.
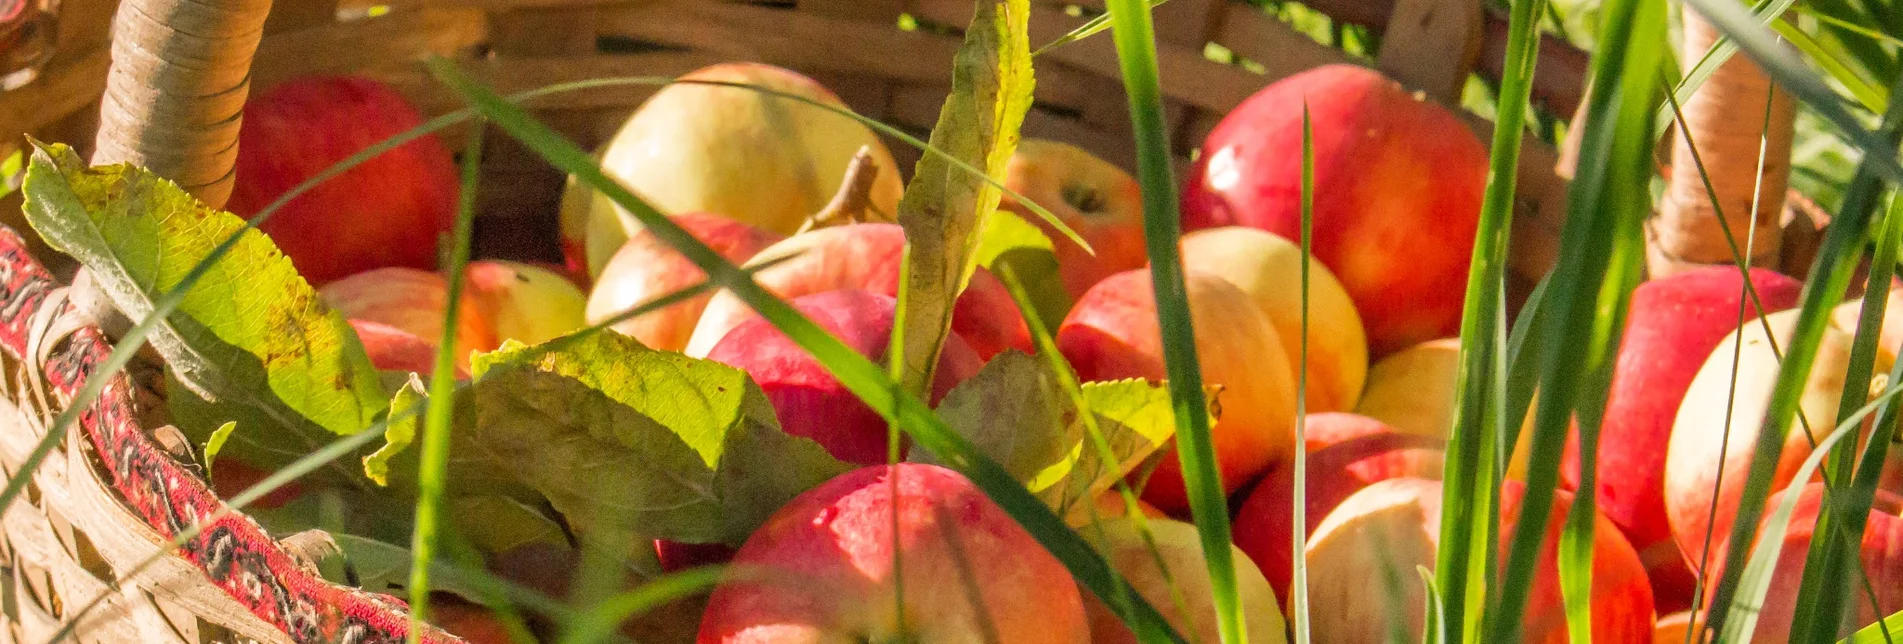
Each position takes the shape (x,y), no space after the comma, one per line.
(80,527)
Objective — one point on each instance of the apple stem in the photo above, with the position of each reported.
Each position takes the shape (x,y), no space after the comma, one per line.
(853,202)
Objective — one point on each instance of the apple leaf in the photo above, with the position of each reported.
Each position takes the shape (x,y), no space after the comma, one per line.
(1015,411)
(944,206)
(1008,243)
(622,437)
(405,415)
(251,333)
(216,442)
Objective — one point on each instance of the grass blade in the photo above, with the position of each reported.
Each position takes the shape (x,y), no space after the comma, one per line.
(1298,560)
(1136,54)
(1472,462)
(861,376)
(433,471)
(1090,28)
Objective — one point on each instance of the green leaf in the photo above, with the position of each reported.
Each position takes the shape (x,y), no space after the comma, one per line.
(216,443)
(402,430)
(381,567)
(1008,241)
(500,524)
(281,354)
(650,441)
(943,207)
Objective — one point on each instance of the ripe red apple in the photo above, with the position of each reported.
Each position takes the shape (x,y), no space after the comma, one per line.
(1881,555)
(807,399)
(1700,453)
(525,303)
(1397,189)
(769,161)
(1113,333)
(676,556)
(231,477)
(822,569)
(393,349)
(413,301)
(1673,325)
(1269,269)
(474,623)
(1182,573)
(1671,628)
(1363,559)
(390,211)
(647,268)
(865,257)
(1094,198)
(1346,452)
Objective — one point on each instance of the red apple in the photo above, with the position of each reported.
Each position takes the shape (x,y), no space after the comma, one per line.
(865,257)
(1113,333)
(770,161)
(1175,569)
(390,211)
(1094,198)
(472,622)
(525,303)
(807,399)
(1397,189)
(231,477)
(1362,564)
(413,301)
(1671,628)
(822,569)
(647,268)
(1716,429)
(393,349)
(1346,452)
(1269,269)
(676,556)
(1673,325)
(1881,556)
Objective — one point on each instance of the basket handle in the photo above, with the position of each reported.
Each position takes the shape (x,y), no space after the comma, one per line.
(181,70)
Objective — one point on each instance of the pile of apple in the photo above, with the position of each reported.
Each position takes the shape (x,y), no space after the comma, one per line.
(1398,184)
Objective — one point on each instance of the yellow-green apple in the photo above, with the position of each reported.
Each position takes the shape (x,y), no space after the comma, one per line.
(414,301)
(1890,336)
(1346,452)
(1413,391)
(823,569)
(1269,269)
(706,145)
(1093,197)
(1181,573)
(1397,192)
(1365,553)
(1880,553)
(525,303)
(389,211)
(866,257)
(1673,325)
(1113,333)
(646,269)
(807,399)
(1109,505)
(1716,429)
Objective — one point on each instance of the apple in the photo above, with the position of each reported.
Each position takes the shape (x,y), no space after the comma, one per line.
(413,301)
(1413,391)
(769,161)
(1881,555)
(807,399)
(862,256)
(1109,505)
(1269,269)
(525,303)
(471,622)
(1672,628)
(1113,333)
(646,268)
(676,556)
(1362,564)
(231,477)
(1673,325)
(1397,189)
(1346,452)
(1890,335)
(393,349)
(821,569)
(1711,449)
(1093,197)
(1175,570)
(390,211)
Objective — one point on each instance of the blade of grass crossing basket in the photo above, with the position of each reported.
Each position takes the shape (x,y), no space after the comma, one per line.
(1466,506)
(1298,560)
(864,378)
(943,210)
(434,468)
(1136,54)
(1090,28)
(1828,279)
(1826,580)
(1607,201)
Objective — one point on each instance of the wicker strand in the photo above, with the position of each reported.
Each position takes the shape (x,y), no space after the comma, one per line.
(174,98)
